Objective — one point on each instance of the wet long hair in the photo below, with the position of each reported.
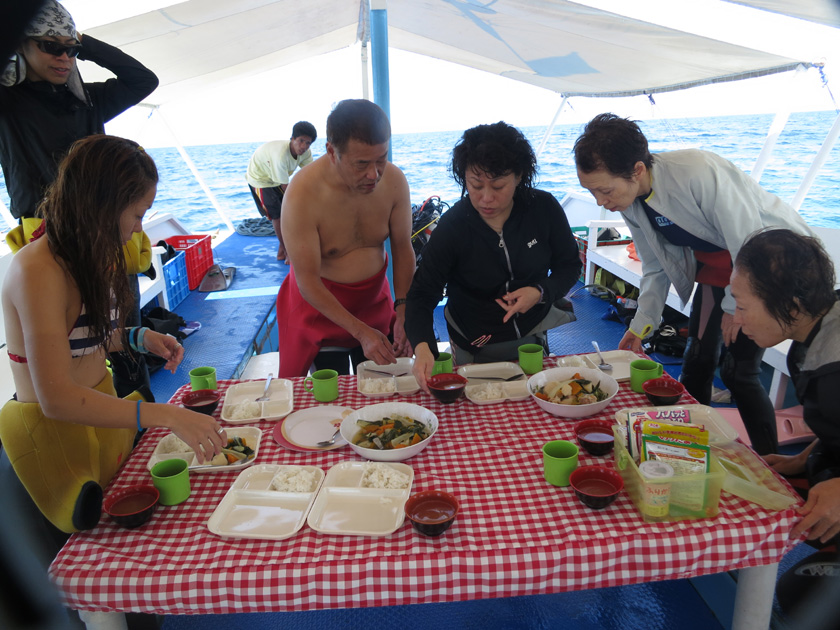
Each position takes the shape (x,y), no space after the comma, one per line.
(98,179)
(495,150)
(612,143)
(790,273)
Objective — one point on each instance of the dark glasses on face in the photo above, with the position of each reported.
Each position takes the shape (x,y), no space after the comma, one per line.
(55,49)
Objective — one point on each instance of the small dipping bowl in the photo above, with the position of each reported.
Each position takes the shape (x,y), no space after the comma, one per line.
(133,506)
(431,512)
(596,486)
(595,436)
(447,388)
(202,400)
(663,391)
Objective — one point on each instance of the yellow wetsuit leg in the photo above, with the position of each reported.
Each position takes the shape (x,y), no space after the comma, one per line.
(64,465)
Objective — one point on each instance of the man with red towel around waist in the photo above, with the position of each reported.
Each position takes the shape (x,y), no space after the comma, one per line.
(337,214)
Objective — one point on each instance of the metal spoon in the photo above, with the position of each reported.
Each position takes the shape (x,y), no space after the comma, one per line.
(331,441)
(265,395)
(606,367)
(367,369)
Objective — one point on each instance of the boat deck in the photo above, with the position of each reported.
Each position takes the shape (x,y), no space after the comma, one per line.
(238,323)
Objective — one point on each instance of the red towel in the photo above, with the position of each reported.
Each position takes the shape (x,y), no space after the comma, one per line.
(303,331)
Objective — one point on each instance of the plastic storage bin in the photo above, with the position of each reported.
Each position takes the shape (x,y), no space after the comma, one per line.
(748,477)
(199,255)
(689,496)
(175,276)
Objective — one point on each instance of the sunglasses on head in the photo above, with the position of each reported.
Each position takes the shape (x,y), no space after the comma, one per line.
(55,49)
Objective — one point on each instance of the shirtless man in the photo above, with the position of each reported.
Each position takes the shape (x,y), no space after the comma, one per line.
(337,213)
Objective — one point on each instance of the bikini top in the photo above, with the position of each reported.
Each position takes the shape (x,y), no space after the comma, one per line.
(82,340)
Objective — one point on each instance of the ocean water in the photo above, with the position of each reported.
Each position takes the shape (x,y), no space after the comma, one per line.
(424,158)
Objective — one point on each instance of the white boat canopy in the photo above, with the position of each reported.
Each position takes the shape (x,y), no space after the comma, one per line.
(562,46)
(826,12)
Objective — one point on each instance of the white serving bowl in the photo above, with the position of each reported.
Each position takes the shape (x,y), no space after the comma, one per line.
(608,384)
(349,428)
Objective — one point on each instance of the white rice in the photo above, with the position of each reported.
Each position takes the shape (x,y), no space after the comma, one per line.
(293,480)
(245,411)
(379,475)
(172,444)
(488,391)
(378,385)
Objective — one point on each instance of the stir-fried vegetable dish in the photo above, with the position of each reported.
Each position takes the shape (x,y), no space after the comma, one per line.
(391,432)
(574,391)
(235,452)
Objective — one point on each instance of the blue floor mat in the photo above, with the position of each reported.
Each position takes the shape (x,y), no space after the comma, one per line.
(230,325)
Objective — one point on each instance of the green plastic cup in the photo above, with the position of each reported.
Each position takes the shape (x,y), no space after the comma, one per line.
(560,458)
(323,384)
(531,358)
(203,378)
(642,370)
(172,479)
(443,364)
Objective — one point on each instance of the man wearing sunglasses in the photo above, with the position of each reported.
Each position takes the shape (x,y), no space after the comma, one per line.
(45,106)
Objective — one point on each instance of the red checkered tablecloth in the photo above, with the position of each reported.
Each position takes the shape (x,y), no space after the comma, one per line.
(515,534)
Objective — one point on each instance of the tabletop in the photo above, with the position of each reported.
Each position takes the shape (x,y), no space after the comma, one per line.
(515,534)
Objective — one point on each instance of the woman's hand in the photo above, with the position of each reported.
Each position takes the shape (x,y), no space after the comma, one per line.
(202,432)
(519,301)
(821,512)
(166,347)
(424,361)
(630,341)
(730,328)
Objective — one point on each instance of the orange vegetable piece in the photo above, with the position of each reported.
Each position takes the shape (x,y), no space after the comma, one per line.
(575,387)
(415,439)
(540,395)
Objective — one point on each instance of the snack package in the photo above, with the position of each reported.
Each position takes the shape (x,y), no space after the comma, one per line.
(637,417)
(686,458)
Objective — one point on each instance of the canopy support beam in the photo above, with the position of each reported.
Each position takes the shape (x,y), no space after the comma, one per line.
(191,165)
(817,164)
(776,128)
(551,126)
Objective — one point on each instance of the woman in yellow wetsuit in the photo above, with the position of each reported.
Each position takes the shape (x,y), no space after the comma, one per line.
(65,297)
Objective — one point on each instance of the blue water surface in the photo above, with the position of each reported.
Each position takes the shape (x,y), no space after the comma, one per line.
(424,158)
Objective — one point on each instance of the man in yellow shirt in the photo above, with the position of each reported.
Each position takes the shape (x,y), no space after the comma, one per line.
(270,169)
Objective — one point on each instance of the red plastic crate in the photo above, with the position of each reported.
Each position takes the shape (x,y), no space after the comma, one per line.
(199,255)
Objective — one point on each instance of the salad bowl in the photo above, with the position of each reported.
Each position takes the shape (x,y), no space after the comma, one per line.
(350,427)
(539,382)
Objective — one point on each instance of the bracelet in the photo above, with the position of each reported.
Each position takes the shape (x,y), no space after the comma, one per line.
(542,293)
(139,428)
(135,339)
(399,302)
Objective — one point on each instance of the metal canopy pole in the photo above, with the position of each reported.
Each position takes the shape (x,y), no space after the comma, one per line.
(775,131)
(191,165)
(551,126)
(381,86)
(816,165)
(379,44)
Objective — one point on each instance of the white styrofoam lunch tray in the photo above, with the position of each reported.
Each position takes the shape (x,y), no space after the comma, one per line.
(479,394)
(344,507)
(279,404)
(251,435)
(251,509)
(619,359)
(503,369)
(404,382)
(720,431)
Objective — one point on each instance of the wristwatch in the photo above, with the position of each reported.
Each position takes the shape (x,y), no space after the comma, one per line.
(399,302)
